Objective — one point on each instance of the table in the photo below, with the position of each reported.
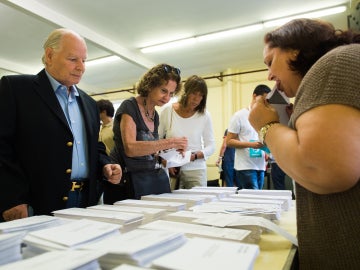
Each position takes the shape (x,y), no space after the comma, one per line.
(276,252)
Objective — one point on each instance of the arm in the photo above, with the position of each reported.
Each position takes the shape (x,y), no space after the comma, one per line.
(13,183)
(135,148)
(322,154)
(232,140)
(235,129)
(222,151)
(208,137)
(164,122)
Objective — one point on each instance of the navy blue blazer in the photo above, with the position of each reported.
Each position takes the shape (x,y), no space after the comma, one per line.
(36,145)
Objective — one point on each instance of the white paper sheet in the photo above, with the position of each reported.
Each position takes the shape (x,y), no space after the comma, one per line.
(174,158)
(210,254)
(224,220)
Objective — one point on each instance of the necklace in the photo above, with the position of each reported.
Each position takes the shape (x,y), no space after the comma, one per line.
(151,118)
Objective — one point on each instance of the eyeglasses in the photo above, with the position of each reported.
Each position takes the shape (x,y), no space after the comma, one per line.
(169,69)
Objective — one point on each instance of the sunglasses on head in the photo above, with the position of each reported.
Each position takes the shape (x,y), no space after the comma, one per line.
(169,69)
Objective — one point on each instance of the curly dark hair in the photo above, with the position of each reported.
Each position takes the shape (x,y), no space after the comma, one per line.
(192,85)
(106,105)
(157,76)
(312,38)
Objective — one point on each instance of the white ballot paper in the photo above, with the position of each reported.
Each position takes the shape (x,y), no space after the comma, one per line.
(195,230)
(209,254)
(74,233)
(10,247)
(59,260)
(138,247)
(226,220)
(30,224)
(174,158)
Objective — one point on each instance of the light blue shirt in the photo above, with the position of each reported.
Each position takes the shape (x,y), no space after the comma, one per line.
(75,120)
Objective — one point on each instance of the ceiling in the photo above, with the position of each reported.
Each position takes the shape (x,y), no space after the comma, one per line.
(122,27)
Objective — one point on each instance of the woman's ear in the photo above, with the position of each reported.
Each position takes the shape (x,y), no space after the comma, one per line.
(294,54)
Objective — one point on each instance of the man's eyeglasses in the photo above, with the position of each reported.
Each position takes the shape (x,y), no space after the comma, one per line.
(169,69)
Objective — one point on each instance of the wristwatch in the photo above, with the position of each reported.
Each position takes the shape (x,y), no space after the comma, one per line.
(195,156)
(264,130)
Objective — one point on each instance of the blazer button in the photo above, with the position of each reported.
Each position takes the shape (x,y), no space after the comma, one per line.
(69,144)
(65,198)
(68,171)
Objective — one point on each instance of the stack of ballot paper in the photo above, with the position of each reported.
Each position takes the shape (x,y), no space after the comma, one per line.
(189,201)
(275,203)
(191,230)
(186,216)
(286,200)
(128,221)
(70,235)
(126,266)
(232,189)
(10,247)
(209,254)
(168,206)
(220,193)
(203,198)
(218,220)
(268,211)
(253,224)
(150,214)
(30,224)
(271,192)
(59,260)
(138,247)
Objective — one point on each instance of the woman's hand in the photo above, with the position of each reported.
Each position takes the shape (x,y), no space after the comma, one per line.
(180,144)
(262,113)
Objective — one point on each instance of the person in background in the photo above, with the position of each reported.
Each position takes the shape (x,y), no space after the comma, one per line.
(137,140)
(189,118)
(226,161)
(249,161)
(50,157)
(106,134)
(320,149)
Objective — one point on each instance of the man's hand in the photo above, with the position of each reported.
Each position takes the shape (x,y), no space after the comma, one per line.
(17,212)
(113,173)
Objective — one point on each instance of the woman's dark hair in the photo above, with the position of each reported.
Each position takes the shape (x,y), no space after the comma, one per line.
(312,38)
(195,84)
(159,75)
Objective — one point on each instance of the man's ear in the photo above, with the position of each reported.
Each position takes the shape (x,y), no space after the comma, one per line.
(48,55)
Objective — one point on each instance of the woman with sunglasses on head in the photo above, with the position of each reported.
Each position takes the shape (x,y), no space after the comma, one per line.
(189,118)
(320,150)
(136,137)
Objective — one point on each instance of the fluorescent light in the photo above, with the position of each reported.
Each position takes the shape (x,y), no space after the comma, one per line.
(230,33)
(240,30)
(314,14)
(102,60)
(168,45)
(207,37)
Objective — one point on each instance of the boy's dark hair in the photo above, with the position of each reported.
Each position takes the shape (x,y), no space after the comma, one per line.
(261,89)
(106,105)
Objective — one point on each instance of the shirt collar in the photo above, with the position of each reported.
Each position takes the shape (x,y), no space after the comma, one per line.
(108,124)
(55,84)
